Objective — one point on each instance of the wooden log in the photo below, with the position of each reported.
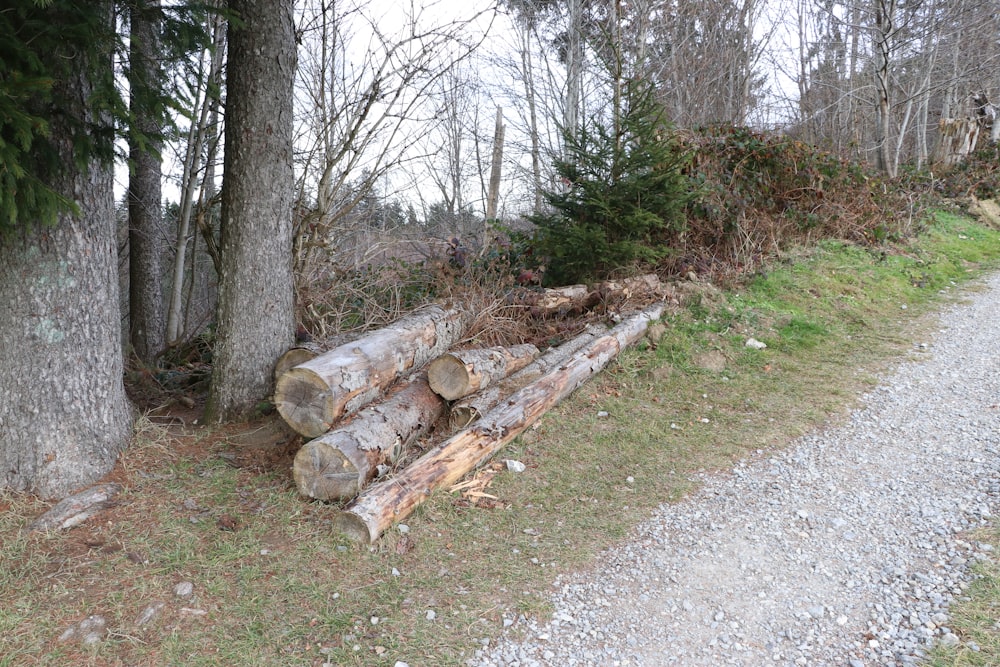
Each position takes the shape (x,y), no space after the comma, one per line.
(299,354)
(471,408)
(644,285)
(337,465)
(313,395)
(76,509)
(372,512)
(458,374)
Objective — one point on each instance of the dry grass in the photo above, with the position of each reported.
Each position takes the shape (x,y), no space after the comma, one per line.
(283,589)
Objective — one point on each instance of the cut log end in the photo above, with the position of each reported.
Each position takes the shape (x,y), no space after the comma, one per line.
(354,527)
(461,416)
(292,358)
(323,472)
(303,400)
(448,377)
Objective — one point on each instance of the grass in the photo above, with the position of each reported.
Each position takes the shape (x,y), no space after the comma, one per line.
(284,589)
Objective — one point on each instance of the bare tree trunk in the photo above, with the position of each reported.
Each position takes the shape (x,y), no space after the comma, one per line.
(574,68)
(64,416)
(145,233)
(529,92)
(495,164)
(256,320)
(189,181)
(885,14)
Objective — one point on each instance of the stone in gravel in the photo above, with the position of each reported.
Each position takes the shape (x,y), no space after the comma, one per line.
(149,614)
(184,589)
(816,611)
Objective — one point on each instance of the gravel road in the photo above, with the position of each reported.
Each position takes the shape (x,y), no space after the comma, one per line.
(845,549)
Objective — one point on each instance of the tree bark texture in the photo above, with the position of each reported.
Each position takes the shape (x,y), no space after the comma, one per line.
(337,465)
(64,416)
(471,408)
(312,396)
(458,374)
(146,241)
(386,502)
(255,323)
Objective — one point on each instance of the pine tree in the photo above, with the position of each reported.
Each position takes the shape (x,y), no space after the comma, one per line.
(623,193)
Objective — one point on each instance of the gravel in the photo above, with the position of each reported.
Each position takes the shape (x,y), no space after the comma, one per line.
(845,549)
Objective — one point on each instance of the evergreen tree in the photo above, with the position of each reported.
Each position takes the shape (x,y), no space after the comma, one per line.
(622,194)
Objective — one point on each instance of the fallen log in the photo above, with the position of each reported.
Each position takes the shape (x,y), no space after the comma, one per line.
(337,465)
(471,408)
(458,374)
(313,395)
(372,512)
(75,509)
(299,354)
(558,301)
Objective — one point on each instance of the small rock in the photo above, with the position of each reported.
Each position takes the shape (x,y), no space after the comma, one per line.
(395,572)
(375,620)
(149,614)
(601,414)
(630,480)
(184,589)
(816,611)
(431,614)
(755,344)
(515,466)
(403,528)
(400,663)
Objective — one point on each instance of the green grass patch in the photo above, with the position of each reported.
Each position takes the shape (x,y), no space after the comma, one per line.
(284,589)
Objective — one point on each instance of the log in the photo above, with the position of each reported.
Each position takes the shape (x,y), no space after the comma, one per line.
(337,465)
(372,512)
(313,395)
(626,288)
(471,408)
(76,509)
(299,354)
(577,298)
(458,374)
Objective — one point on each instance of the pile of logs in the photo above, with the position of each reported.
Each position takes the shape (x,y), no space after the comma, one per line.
(365,402)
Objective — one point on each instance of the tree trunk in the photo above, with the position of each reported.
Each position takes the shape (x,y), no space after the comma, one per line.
(496,162)
(337,465)
(256,322)
(64,416)
(470,409)
(313,395)
(885,16)
(380,505)
(145,233)
(458,374)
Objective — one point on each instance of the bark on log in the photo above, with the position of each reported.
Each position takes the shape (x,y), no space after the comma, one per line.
(371,513)
(473,407)
(337,465)
(578,298)
(458,374)
(313,395)
(76,509)
(647,284)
